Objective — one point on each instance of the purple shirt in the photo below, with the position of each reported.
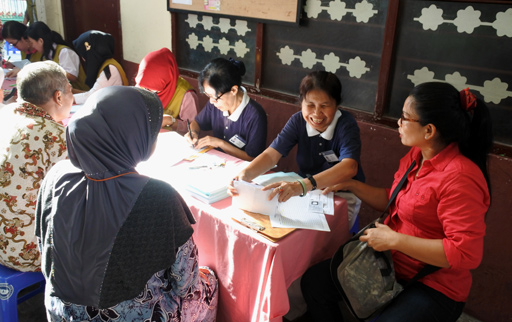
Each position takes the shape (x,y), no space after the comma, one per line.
(345,143)
(251,126)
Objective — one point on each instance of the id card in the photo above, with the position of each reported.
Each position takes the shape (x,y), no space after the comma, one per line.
(237,141)
(330,156)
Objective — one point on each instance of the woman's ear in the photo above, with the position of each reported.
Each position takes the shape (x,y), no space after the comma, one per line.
(430,131)
(234,89)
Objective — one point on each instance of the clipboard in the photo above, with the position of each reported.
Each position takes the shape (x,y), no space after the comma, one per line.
(261,224)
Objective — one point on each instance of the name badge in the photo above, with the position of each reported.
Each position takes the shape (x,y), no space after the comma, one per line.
(330,156)
(237,141)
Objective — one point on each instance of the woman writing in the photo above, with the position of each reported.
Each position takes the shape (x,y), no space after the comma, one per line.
(329,146)
(130,256)
(102,70)
(437,218)
(239,124)
(13,32)
(52,46)
(159,73)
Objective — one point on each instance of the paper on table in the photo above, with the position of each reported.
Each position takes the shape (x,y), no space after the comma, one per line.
(252,198)
(171,148)
(266,179)
(21,63)
(294,214)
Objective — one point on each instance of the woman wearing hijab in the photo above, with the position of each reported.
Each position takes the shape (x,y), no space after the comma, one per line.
(116,244)
(52,46)
(97,50)
(158,72)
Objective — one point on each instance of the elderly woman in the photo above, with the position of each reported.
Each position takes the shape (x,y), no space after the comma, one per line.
(328,142)
(115,243)
(437,218)
(32,141)
(97,51)
(52,46)
(238,122)
(159,73)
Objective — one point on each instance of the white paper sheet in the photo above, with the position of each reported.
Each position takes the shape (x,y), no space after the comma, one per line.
(294,214)
(252,198)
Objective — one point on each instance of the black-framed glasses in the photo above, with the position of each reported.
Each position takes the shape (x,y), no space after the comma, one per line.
(214,99)
(16,43)
(403,118)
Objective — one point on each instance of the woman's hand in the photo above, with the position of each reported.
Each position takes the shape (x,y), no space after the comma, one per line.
(168,121)
(380,238)
(12,73)
(285,189)
(209,141)
(231,188)
(192,140)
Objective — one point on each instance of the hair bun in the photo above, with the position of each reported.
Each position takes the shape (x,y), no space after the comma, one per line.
(239,65)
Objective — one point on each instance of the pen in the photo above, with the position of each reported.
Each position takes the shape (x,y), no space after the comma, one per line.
(189,131)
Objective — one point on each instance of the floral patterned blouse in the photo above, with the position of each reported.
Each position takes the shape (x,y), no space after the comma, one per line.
(30,144)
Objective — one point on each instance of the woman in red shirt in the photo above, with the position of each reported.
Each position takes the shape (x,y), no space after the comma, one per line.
(437,217)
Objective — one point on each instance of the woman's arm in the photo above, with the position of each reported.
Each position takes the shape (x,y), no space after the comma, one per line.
(375,197)
(225,146)
(430,251)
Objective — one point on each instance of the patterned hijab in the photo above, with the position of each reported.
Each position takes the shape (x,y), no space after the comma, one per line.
(93,194)
(158,72)
(95,47)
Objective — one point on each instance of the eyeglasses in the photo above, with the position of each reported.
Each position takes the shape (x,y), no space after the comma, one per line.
(16,43)
(214,99)
(403,118)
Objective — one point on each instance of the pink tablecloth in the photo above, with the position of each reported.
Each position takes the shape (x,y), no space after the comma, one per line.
(254,273)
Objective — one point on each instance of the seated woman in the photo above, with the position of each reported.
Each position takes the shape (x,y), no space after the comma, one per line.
(159,73)
(52,46)
(97,50)
(437,218)
(32,141)
(128,257)
(329,146)
(238,122)
(13,32)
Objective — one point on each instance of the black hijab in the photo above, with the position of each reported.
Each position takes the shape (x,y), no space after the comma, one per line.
(85,203)
(95,47)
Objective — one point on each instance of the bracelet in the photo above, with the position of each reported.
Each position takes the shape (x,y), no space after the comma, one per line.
(312,180)
(303,187)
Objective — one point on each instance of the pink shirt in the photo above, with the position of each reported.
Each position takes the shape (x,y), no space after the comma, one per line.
(448,200)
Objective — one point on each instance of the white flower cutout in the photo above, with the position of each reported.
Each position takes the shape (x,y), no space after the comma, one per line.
(503,23)
(286,55)
(308,58)
(431,18)
(457,80)
(494,91)
(467,20)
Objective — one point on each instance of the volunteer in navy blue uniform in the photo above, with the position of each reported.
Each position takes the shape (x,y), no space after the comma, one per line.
(239,123)
(328,141)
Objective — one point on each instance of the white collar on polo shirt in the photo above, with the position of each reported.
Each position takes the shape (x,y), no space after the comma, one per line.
(236,114)
(329,132)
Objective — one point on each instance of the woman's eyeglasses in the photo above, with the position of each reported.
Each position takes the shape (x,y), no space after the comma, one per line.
(403,118)
(214,99)
(16,43)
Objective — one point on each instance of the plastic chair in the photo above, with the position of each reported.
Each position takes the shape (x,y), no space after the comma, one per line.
(11,283)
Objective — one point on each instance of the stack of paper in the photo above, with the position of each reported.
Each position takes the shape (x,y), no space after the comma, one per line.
(306,212)
(205,178)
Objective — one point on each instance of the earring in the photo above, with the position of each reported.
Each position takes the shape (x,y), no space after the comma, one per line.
(426,138)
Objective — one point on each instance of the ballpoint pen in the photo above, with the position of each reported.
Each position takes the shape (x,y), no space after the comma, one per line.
(190,132)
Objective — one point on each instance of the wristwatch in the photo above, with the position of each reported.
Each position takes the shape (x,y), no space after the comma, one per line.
(312,180)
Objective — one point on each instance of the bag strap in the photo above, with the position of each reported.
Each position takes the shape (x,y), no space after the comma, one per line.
(395,192)
(427,269)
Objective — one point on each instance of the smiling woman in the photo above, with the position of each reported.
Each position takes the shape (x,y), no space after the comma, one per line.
(329,146)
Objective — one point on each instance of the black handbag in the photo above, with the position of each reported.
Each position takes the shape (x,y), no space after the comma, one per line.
(365,277)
